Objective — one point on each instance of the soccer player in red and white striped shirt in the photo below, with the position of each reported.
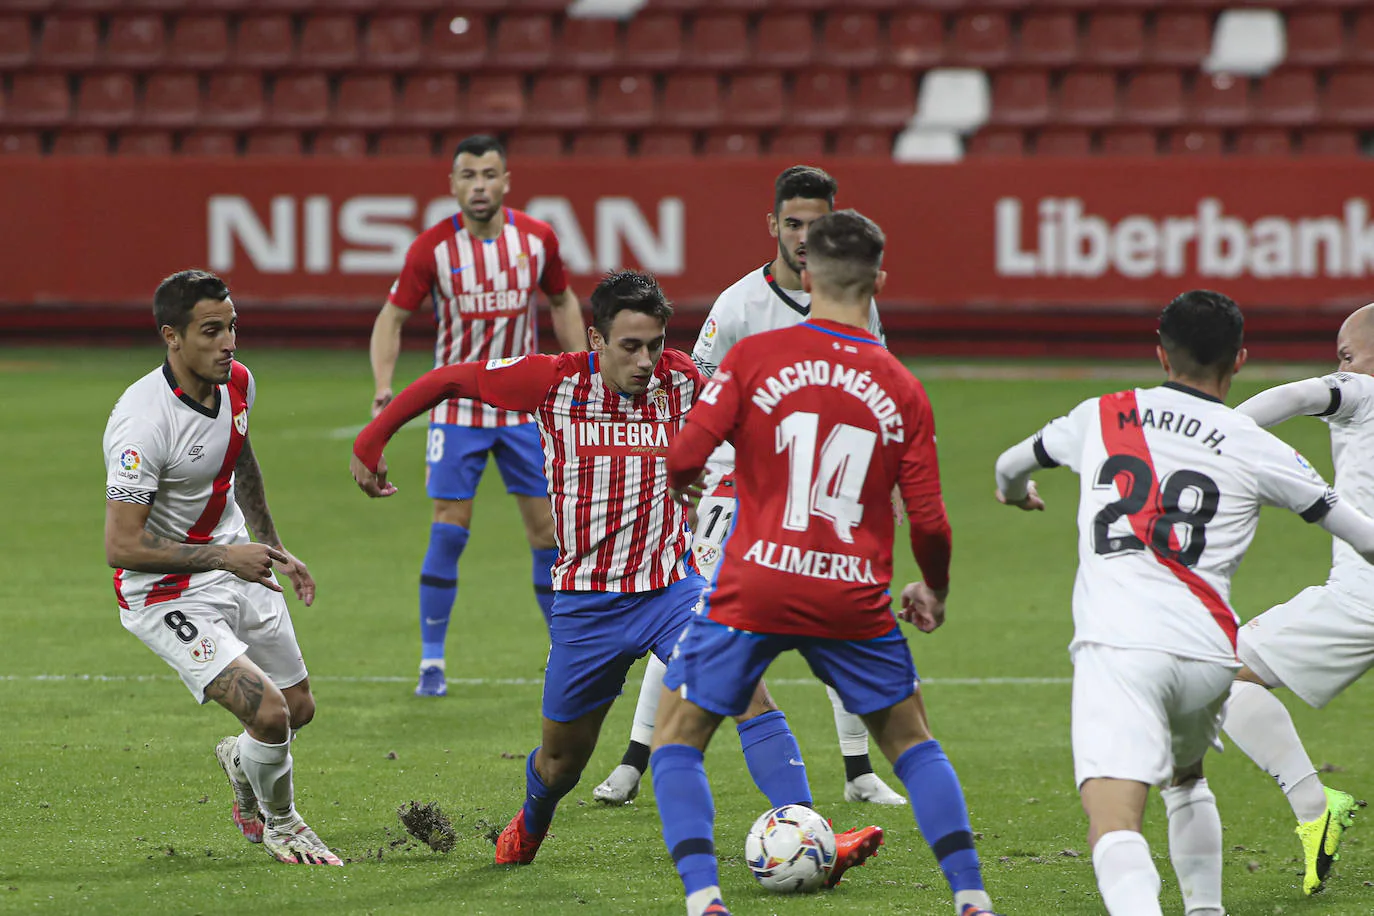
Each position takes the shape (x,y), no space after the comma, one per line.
(483,269)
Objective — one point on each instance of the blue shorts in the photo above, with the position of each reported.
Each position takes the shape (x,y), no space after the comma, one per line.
(456,456)
(720,666)
(597,636)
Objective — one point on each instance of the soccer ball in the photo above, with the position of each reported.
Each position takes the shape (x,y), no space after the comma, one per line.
(790,850)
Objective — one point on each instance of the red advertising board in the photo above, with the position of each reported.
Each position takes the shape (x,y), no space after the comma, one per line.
(975,235)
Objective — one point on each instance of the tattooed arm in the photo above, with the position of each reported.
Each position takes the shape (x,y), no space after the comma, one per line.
(130,545)
(252,497)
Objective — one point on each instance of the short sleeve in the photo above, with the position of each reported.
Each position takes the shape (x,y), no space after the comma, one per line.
(554,278)
(1060,442)
(717,408)
(417,278)
(715,339)
(523,382)
(1352,395)
(134,458)
(875,323)
(1288,481)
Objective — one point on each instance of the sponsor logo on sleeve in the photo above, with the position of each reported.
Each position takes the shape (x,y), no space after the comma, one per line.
(1304,463)
(129,462)
(708,335)
(503,363)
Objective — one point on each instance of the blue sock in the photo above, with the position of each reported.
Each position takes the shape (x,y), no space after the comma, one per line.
(774,759)
(540,800)
(938,802)
(543,578)
(688,814)
(439,586)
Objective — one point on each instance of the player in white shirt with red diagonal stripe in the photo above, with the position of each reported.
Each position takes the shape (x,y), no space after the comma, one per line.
(182,489)
(1172,484)
(483,269)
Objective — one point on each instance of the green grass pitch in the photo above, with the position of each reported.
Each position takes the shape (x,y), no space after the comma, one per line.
(111,801)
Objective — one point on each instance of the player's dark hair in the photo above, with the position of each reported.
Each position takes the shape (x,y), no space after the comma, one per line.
(479,145)
(1202,332)
(805,181)
(844,252)
(176,297)
(630,290)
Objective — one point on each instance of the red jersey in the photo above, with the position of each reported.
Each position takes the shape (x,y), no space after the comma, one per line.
(483,292)
(825,423)
(605,456)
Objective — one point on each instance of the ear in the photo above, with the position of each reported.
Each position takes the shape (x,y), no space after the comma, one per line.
(1241,358)
(879,282)
(1163,358)
(453,182)
(170,337)
(773,225)
(806,280)
(595,339)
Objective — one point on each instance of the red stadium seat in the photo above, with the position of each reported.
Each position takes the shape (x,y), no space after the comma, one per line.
(1153,97)
(997,142)
(1349,98)
(718,40)
(368,102)
(744,6)
(1064,141)
(864,143)
(68,41)
(667,143)
(170,100)
(209,143)
(1221,100)
(343,143)
(233,100)
(820,98)
(798,142)
(1361,43)
(1087,97)
(1315,38)
(274,143)
(38,100)
(132,41)
(495,101)
(600,144)
(200,42)
(405,143)
(559,101)
(732,144)
(625,101)
(1180,38)
(429,100)
(392,41)
(981,40)
(1048,39)
(653,40)
(459,42)
(886,98)
(523,42)
(784,40)
(535,145)
(916,38)
(1020,97)
(588,44)
(268,42)
(1287,97)
(1331,143)
(1264,141)
(105,100)
(754,100)
(81,143)
(1130,141)
(144,143)
(20,143)
(16,42)
(691,100)
(1115,39)
(850,40)
(299,100)
(329,41)
(30,6)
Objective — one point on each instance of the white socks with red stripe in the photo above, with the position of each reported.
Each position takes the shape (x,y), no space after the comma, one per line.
(1126,874)
(268,768)
(1195,846)
(1259,724)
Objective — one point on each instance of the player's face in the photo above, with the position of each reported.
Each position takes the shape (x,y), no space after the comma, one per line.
(789,227)
(630,352)
(207,345)
(480,184)
(1354,350)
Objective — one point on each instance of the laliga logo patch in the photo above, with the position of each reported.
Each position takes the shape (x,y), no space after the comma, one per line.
(1303,463)
(129,460)
(503,363)
(708,334)
(204,650)
(241,422)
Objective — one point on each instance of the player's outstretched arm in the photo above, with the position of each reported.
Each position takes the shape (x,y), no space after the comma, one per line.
(251,496)
(1308,398)
(130,545)
(1352,526)
(384,349)
(1014,486)
(566,314)
(687,462)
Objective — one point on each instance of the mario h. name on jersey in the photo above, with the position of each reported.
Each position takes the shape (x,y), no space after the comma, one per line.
(819,372)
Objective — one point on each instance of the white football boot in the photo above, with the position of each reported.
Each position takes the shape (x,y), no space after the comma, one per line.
(621,787)
(294,843)
(869,788)
(245,812)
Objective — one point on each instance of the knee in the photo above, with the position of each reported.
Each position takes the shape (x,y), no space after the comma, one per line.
(760,703)
(302,709)
(271,724)
(560,768)
(539,534)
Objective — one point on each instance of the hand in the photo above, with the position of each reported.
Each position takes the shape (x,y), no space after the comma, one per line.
(301,580)
(923,607)
(380,400)
(374,485)
(688,496)
(253,563)
(1031,502)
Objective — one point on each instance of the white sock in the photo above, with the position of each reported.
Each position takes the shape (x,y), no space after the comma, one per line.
(979,899)
(1195,846)
(268,768)
(851,729)
(1126,875)
(433,663)
(698,901)
(642,732)
(1259,724)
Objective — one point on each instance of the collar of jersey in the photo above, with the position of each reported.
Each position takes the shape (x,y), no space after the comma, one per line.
(842,331)
(781,293)
(185,398)
(1188,389)
(458,221)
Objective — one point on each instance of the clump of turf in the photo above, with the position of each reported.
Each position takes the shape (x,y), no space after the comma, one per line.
(428,824)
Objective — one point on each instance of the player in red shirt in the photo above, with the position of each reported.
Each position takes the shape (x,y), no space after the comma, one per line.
(483,269)
(809,562)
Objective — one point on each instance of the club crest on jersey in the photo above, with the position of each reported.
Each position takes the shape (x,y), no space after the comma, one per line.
(660,399)
(503,363)
(204,650)
(241,422)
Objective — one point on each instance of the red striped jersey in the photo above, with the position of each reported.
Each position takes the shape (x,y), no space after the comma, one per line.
(167,451)
(483,293)
(604,456)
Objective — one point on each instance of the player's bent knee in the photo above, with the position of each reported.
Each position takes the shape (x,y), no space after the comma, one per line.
(271,722)
(1251,677)
(760,703)
(453,512)
(301,706)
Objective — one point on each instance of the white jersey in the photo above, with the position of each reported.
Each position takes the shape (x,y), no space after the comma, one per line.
(753,304)
(167,451)
(1179,471)
(1351,418)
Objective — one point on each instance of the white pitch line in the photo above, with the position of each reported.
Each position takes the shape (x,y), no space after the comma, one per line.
(515,681)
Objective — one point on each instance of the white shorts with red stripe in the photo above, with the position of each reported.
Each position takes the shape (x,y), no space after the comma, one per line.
(1316,644)
(1142,714)
(200,633)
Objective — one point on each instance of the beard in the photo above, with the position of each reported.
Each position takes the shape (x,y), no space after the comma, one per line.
(792,261)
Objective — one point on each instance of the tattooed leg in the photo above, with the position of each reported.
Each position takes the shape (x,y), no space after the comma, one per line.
(243,689)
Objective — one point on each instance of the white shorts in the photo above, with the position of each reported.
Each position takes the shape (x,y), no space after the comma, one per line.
(715,513)
(202,632)
(1141,714)
(1316,645)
